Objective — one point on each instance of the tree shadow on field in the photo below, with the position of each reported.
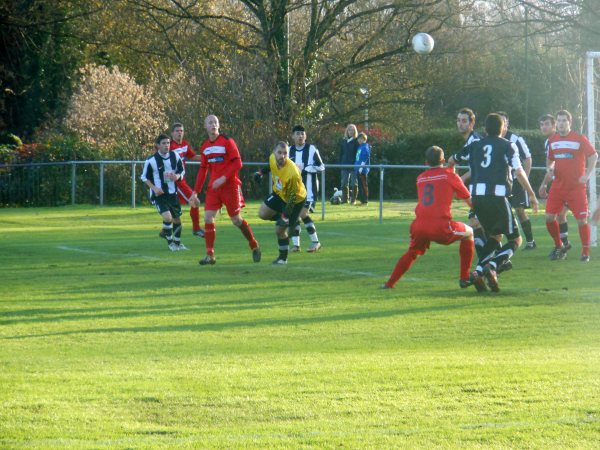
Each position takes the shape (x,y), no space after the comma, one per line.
(50,315)
(255,323)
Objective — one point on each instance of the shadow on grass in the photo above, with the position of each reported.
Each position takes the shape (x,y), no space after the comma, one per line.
(224,326)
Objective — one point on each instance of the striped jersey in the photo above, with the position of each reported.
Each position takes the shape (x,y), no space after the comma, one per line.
(490,161)
(309,162)
(154,170)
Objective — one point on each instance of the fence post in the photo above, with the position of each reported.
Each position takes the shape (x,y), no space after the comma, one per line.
(323,195)
(133,184)
(73,182)
(381,171)
(101,184)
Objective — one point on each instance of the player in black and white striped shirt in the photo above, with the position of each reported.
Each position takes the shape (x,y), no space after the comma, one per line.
(519,199)
(491,160)
(309,162)
(465,122)
(161,173)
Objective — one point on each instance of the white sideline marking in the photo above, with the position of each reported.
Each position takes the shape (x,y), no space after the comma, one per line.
(153,258)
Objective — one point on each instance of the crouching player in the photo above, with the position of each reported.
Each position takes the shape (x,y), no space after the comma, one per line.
(286,201)
(436,188)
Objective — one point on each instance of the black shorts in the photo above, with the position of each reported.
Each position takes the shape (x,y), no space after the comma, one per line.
(276,203)
(519,198)
(168,202)
(496,216)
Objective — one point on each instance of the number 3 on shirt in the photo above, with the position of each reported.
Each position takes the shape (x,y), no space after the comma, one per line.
(487,155)
(427,194)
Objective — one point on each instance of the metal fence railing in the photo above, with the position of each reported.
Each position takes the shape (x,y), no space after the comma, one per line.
(118,183)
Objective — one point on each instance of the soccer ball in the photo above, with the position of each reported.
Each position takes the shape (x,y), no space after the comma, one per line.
(422,43)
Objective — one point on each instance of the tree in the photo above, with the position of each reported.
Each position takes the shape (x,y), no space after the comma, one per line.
(112,111)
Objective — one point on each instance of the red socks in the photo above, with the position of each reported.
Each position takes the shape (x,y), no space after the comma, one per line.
(210,235)
(195,216)
(554,230)
(401,267)
(584,234)
(466,252)
(247,232)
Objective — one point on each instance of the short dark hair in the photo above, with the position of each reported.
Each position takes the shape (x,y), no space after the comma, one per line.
(564,112)
(469,112)
(493,124)
(545,117)
(434,156)
(176,125)
(161,137)
(298,128)
(503,114)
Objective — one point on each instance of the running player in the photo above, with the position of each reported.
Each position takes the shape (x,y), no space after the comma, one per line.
(161,172)
(220,154)
(184,191)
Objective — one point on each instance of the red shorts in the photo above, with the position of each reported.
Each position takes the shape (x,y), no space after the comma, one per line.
(444,232)
(184,192)
(574,199)
(228,195)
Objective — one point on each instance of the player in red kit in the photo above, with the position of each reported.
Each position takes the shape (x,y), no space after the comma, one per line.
(184,191)
(436,188)
(220,154)
(572,160)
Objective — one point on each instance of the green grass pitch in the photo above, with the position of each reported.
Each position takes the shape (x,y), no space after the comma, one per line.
(108,340)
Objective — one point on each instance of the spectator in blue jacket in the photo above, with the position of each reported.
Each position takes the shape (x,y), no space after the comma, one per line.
(363,158)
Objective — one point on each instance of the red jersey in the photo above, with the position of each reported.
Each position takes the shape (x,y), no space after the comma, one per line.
(569,154)
(222,157)
(183,149)
(436,188)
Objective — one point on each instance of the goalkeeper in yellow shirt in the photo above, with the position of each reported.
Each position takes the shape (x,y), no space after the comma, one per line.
(284,204)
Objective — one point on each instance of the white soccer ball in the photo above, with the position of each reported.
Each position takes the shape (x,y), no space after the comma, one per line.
(422,43)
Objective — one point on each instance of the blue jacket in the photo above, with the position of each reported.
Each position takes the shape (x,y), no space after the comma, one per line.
(363,157)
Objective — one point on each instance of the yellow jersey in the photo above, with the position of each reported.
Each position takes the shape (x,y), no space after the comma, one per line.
(287,181)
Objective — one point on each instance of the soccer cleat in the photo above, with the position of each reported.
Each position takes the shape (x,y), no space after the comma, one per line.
(163,234)
(280,262)
(256,254)
(464,283)
(180,247)
(504,267)
(585,258)
(567,245)
(492,278)
(530,246)
(207,260)
(173,247)
(477,281)
(385,286)
(558,253)
(314,247)
(295,248)
(199,233)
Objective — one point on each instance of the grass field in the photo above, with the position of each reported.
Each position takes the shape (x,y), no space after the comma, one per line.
(108,340)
